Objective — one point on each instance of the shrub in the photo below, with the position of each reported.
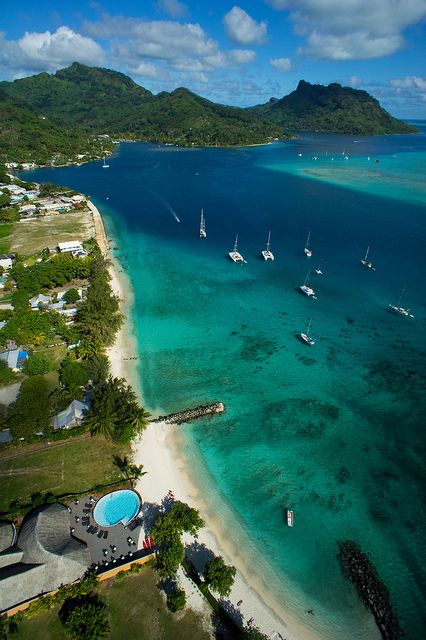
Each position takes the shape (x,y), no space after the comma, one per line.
(176,600)
(36,365)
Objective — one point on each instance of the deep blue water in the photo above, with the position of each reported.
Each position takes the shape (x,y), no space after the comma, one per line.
(334,431)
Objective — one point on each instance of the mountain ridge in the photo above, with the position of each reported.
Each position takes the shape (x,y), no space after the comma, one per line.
(332,109)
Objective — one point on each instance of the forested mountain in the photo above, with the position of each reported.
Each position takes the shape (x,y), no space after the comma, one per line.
(336,109)
(47,114)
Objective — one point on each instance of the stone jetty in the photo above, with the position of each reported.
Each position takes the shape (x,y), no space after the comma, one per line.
(202,411)
(357,566)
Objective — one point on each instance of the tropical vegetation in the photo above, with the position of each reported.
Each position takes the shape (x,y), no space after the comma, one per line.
(219,576)
(336,109)
(79,110)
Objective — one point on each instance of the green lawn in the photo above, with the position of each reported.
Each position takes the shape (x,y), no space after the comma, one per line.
(67,466)
(136,610)
(5,232)
(32,236)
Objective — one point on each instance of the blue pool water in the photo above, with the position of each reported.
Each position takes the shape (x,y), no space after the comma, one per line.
(119,506)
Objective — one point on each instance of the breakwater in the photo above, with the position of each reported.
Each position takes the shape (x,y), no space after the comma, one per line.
(202,411)
(357,567)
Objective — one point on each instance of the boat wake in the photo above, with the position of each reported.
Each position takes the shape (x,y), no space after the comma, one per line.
(168,207)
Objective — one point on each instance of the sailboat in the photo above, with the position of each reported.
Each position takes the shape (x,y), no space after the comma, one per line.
(203,233)
(396,308)
(234,255)
(306,337)
(105,165)
(305,289)
(318,269)
(267,253)
(308,250)
(366,262)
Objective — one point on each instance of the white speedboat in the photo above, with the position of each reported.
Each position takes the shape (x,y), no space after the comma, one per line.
(105,165)
(290,517)
(306,337)
(366,262)
(308,250)
(305,288)
(234,254)
(203,232)
(318,270)
(267,253)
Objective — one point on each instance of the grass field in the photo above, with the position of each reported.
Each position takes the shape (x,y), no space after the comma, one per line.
(5,233)
(136,609)
(65,466)
(32,236)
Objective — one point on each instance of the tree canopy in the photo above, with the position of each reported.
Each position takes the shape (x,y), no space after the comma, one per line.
(87,620)
(29,414)
(219,576)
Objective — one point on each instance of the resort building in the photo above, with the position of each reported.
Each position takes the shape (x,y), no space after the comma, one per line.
(72,416)
(44,557)
(71,246)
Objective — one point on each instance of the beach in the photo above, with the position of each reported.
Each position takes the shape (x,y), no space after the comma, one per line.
(159,451)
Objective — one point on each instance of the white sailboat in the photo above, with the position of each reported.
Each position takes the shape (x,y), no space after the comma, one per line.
(105,165)
(234,254)
(306,337)
(308,250)
(267,253)
(366,262)
(203,233)
(305,288)
(396,308)
(318,270)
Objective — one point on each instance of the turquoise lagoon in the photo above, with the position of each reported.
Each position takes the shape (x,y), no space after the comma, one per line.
(334,431)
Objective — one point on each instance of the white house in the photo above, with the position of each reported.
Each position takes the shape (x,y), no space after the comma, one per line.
(71,246)
(6,263)
(40,300)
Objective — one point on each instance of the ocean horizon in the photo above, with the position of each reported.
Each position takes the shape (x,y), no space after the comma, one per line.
(333,431)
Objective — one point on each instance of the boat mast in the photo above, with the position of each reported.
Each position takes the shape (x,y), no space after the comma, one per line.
(309,327)
(308,239)
(268,244)
(366,254)
(307,279)
(398,304)
(236,243)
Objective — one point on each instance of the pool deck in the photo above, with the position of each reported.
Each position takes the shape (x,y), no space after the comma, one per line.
(105,552)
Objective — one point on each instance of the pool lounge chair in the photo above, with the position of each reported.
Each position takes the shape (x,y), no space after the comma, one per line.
(100,534)
(105,535)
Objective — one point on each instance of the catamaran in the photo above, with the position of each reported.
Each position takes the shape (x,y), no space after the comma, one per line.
(203,233)
(290,517)
(105,165)
(234,255)
(308,250)
(366,262)
(306,337)
(396,308)
(267,253)
(304,288)
(318,269)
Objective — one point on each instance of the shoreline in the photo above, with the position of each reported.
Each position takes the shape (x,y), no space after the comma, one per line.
(125,344)
(160,451)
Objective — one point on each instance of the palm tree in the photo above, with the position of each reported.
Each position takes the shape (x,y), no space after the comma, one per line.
(103,424)
(140,419)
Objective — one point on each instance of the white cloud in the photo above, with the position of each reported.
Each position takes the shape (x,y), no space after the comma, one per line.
(352,29)
(173,8)
(48,51)
(409,82)
(164,47)
(144,69)
(354,81)
(241,28)
(281,64)
(242,56)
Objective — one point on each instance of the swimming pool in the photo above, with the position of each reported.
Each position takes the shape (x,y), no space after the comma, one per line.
(118,506)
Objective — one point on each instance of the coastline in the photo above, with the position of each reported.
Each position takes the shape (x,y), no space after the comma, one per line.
(160,451)
(125,344)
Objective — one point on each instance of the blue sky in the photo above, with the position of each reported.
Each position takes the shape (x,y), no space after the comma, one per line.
(241,54)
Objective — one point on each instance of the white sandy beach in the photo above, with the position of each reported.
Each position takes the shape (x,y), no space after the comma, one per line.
(159,450)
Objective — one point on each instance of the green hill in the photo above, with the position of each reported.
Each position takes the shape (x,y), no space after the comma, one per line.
(336,109)
(68,110)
